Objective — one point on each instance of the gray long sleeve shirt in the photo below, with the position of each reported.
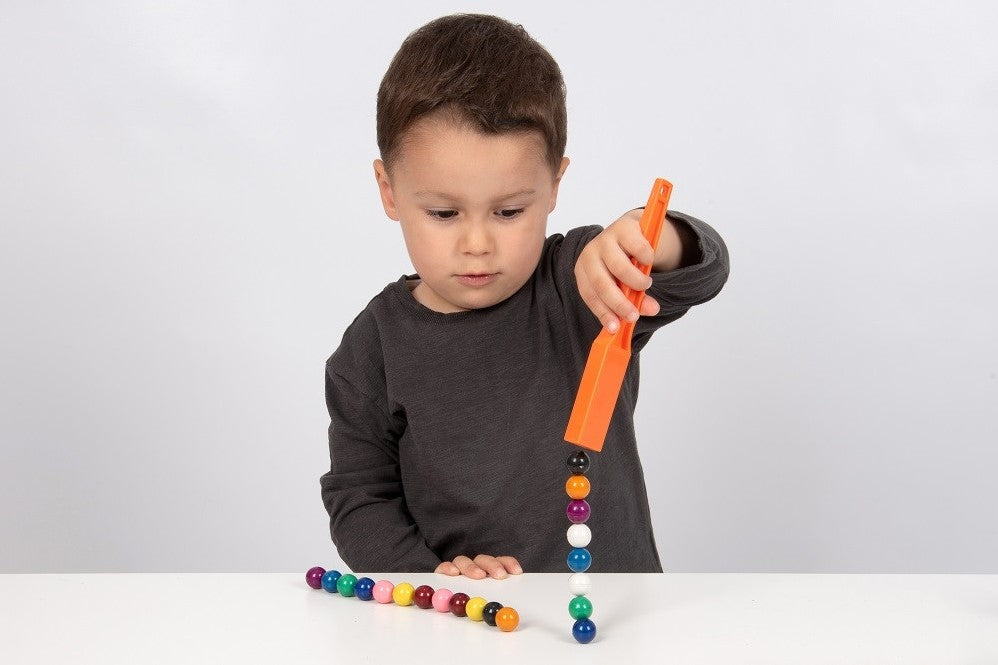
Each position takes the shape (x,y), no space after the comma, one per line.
(446,430)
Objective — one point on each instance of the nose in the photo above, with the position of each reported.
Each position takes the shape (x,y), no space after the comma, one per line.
(476,238)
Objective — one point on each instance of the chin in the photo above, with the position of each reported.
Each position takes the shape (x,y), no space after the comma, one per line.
(483,300)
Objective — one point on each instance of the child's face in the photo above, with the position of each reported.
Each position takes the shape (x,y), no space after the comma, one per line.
(473,209)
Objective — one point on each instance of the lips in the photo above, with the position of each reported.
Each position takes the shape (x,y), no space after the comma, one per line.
(477,279)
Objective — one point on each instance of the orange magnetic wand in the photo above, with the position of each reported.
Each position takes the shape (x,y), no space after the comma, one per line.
(611,352)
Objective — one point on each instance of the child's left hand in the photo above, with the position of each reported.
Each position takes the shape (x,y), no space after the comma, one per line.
(608,257)
(482,566)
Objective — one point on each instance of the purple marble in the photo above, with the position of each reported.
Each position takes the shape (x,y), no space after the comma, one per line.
(578,511)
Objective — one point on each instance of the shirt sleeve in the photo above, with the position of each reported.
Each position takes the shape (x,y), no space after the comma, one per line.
(678,290)
(363,494)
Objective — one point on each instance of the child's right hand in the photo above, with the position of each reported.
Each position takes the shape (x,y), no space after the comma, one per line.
(606,260)
(482,566)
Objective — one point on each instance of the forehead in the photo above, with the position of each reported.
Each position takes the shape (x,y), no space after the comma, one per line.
(438,151)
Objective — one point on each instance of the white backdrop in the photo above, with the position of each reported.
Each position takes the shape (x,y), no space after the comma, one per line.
(190,220)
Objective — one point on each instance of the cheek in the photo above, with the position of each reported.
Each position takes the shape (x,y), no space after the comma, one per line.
(529,240)
(414,244)
(427,245)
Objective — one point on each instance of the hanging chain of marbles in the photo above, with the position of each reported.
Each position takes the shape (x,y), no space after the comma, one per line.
(579,559)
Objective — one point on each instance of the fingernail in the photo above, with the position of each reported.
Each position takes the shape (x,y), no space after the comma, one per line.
(650,282)
(517,570)
(501,575)
(612,326)
(633,316)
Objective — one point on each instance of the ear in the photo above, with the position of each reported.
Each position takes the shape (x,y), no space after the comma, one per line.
(557,181)
(385,188)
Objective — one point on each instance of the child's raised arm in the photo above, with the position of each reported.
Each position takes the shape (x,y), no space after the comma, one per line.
(607,258)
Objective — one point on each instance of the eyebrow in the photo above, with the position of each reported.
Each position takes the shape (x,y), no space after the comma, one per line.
(425,193)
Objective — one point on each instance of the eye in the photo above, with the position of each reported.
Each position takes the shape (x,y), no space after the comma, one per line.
(509,213)
(443,215)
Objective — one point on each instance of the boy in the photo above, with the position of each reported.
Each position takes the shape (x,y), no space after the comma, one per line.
(449,394)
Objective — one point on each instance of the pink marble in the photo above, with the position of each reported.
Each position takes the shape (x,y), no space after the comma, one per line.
(383,591)
(441,600)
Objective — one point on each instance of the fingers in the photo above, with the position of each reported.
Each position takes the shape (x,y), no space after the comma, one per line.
(650,306)
(611,302)
(607,260)
(492,566)
(448,568)
(618,262)
(512,566)
(636,245)
(480,567)
(593,301)
(603,295)
(469,568)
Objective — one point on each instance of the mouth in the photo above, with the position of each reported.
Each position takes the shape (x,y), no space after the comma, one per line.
(477,278)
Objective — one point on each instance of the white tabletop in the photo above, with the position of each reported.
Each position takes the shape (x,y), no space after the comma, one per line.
(670,618)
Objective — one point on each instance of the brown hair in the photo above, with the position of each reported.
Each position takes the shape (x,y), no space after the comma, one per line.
(486,70)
